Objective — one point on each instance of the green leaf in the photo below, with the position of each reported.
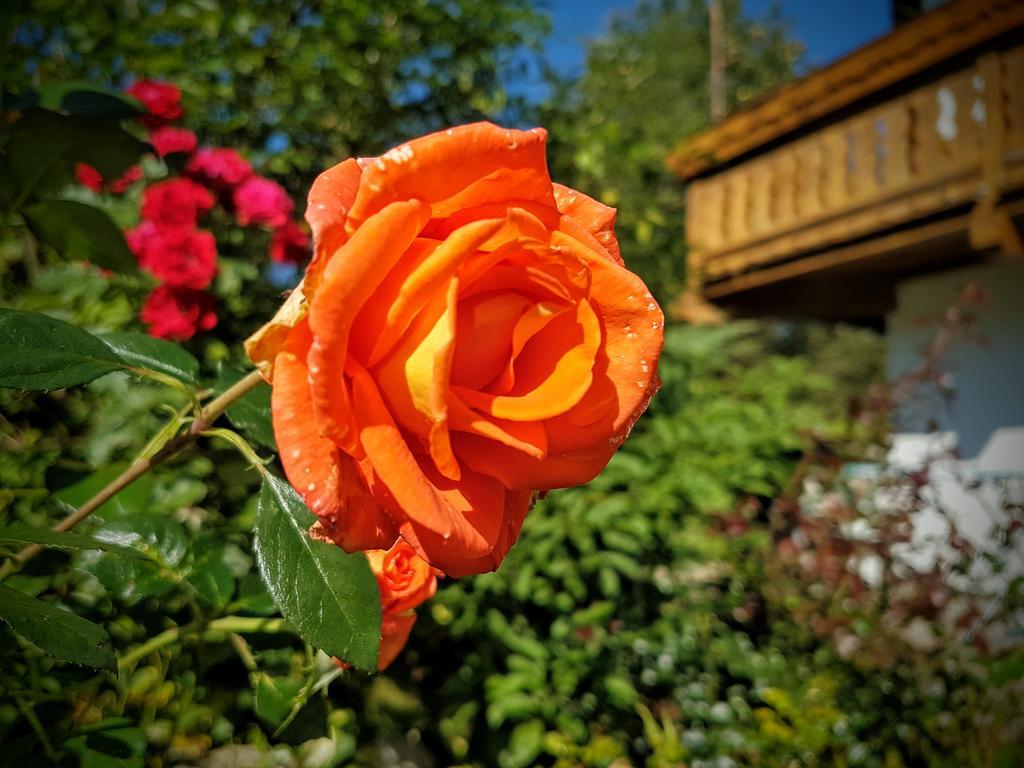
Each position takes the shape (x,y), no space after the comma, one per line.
(19,533)
(40,352)
(80,231)
(524,745)
(274,697)
(160,538)
(330,596)
(135,497)
(59,633)
(253,596)
(81,98)
(251,414)
(142,351)
(210,573)
(44,147)
(106,746)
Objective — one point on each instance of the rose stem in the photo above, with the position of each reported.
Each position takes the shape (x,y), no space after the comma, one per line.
(140,466)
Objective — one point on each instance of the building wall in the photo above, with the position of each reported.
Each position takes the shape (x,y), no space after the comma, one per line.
(987,373)
(973,445)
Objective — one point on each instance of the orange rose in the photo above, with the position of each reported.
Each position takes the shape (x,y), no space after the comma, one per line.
(405,580)
(465,336)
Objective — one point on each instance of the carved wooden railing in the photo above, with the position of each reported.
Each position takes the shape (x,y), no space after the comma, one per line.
(947,144)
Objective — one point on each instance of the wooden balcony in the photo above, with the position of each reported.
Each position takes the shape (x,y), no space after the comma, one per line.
(820,216)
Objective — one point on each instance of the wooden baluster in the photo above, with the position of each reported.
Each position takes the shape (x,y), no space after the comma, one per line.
(809,171)
(968,89)
(990,223)
(833,183)
(894,126)
(713,214)
(1012,97)
(784,189)
(862,160)
(930,149)
(760,197)
(695,221)
(736,206)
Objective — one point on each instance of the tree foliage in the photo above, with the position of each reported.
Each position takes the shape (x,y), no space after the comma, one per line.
(644,88)
(307,84)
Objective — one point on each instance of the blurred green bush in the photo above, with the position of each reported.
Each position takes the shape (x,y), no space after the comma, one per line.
(647,618)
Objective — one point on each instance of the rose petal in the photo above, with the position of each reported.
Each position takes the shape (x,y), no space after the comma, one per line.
(593,217)
(446,522)
(454,169)
(529,437)
(518,470)
(547,217)
(348,280)
(327,206)
(551,375)
(404,578)
(484,337)
(262,347)
(373,317)
(430,275)
(327,479)
(532,322)
(517,505)
(394,631)
(414,377)
(529,280)
(632,325)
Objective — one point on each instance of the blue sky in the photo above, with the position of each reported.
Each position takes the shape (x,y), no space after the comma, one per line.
(828,28)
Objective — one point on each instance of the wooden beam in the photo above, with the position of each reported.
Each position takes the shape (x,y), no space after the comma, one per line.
(930,40)
(918,237)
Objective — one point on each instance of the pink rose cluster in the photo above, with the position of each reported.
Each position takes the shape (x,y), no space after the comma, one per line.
(168,241)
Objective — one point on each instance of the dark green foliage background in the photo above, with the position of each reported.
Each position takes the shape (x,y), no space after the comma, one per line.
(338,77)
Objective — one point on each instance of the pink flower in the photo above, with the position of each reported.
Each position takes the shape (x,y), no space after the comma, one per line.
(88,177)
(168,140)
(129,177)
(222,169)
(178,313)
(290,244)
(180,256)
(139,237)
(262,201)
(175,202)
(161,100)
